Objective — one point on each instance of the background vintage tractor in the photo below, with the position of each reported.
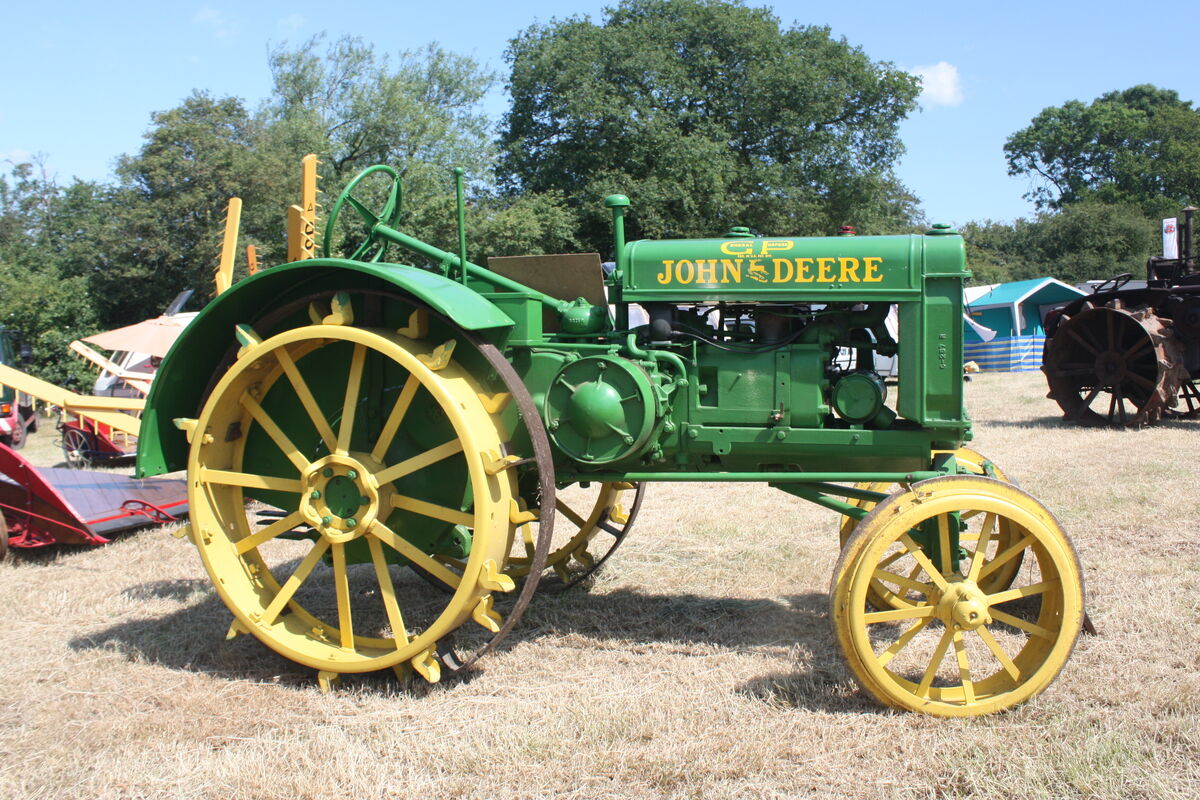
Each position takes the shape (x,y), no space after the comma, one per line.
(1128,356)
(385,461)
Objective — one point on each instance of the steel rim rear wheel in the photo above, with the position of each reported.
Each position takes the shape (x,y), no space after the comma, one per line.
(592,523)
(329,430)
(1110,366)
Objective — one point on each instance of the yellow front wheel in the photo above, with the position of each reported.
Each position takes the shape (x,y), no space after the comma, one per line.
(890,594)
(966,646)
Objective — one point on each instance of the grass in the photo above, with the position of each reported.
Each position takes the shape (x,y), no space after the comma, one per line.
(700,664)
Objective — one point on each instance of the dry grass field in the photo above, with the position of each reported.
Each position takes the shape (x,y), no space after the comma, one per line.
(700,664)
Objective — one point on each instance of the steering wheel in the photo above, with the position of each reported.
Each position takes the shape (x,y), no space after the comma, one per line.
(1117,282)
(386,216)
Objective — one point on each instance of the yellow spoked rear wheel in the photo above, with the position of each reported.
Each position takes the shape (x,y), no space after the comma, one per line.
(327,456)
(966,647)
(592,522)
(884,594)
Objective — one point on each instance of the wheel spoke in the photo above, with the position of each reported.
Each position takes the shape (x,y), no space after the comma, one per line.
(939,653)
(411,465)
(249,481)
(1086,345)
(305,395)
(1017,622)
(902,642)
(452,515)
(276,433)
(1141,380)
(1022,591)
(1137,346)
(567,512)
(341,587)
(916,586)
(1121,403)
(362,210)
(403,401)
(1067,369)
(985,538)
(943,523)
(998,652)
(350,405)
(270,532)
(915,551)
(414,554)
(964,669)
(388,592)
(893,614)
(1088,400)
(529,542)
(1008,555)
(893,558)
(293,583)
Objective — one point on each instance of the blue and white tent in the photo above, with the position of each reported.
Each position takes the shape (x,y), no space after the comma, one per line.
(1015,312)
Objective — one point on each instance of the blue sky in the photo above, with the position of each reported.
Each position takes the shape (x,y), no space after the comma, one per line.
(81,79)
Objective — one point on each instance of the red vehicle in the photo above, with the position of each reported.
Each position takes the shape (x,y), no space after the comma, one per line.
(17,418)
(42,506)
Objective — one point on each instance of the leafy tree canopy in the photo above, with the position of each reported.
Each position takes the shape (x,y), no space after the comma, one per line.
(354,107)
(708,114)
(1139,146)
(1086,240)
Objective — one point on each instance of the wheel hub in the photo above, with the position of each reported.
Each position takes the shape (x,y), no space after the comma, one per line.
(1110,367)
(964,606)
(341,497)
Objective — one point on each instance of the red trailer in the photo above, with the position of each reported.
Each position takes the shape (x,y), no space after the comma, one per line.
(48,505)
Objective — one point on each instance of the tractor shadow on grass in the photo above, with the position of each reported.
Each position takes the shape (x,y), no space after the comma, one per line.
(1051,422)
(793,629)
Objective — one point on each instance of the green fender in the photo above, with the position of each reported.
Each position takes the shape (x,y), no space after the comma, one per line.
(189,367)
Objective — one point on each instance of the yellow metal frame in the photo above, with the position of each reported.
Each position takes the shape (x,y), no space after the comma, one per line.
(233,223)
(302,219)
(138,380)
(102,410)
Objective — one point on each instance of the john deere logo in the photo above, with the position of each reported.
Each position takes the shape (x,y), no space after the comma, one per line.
(756,261)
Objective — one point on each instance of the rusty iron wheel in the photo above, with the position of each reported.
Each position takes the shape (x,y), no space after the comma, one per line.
(1114,366)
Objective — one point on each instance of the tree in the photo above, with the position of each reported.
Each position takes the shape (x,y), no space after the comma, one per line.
(26,211)
(41,225)
(707,114)
(168,210)
(1140,146)
(355,108)
(1086,240)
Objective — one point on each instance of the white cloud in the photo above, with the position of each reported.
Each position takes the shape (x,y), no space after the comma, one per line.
(940,84)
(16,156)
(292,23)
(216,22)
